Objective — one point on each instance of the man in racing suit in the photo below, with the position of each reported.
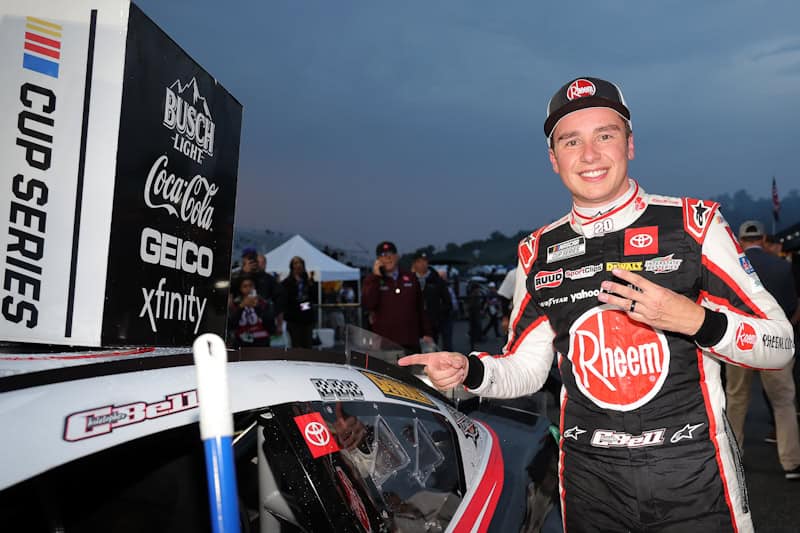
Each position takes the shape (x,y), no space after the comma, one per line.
(641,297)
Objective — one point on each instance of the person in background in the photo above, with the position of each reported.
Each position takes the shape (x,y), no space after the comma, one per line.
(394,301)
(250,316)
(265,284)
(474,310)
(506,294)
(448,322)
(776,276)
(435,296)
(300,292)
(491,307)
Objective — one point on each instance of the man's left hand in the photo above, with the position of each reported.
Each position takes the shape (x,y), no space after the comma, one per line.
(652,304)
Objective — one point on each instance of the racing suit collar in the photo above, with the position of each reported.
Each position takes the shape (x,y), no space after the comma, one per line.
(628,209)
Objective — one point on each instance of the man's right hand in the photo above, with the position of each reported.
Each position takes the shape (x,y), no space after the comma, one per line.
(446,370)
(376,267)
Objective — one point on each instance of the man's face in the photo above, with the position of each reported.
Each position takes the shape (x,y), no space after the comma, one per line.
(591,155)
(249,264)
(420,265)
(262,262)
(245,287)
(388,261)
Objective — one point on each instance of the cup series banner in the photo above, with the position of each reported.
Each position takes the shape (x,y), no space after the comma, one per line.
(119,155)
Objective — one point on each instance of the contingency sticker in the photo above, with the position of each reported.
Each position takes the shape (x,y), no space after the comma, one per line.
(395,389)
(316,434)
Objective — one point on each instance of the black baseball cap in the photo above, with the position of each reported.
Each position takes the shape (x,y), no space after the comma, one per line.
(582,93)
(386,247)
(420,255)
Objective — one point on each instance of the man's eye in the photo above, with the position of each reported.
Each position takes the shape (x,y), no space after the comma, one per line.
(606,136)
(571,142)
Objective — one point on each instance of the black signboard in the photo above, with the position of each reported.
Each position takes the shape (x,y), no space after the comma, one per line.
(174,197)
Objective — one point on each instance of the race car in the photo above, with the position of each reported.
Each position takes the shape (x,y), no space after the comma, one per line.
(324,441)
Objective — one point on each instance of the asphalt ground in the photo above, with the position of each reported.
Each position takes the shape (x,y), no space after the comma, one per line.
(774,500)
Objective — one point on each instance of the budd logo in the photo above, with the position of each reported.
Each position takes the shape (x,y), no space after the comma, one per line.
(618,363)
(745,337)
(579,89)
(186,112)
(548,279)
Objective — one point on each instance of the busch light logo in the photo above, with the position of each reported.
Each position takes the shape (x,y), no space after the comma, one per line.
(618,363)
(186,112)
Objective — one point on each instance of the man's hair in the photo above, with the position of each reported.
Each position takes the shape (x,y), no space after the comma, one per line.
(751,240)
(628,132)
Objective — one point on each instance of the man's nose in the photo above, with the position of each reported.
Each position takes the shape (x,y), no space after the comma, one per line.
(589,152)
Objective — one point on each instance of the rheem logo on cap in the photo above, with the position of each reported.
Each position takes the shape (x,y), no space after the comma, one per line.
(580,88)
(618,363)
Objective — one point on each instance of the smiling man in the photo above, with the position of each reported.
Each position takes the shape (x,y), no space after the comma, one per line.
(641,297)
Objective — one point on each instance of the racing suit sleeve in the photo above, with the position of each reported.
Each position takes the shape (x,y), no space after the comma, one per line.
(525,363)
(757,334)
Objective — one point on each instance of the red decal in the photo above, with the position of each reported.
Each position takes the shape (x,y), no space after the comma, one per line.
(745,337)
(354,500)
(316,434)
(618,363)
(641,241)
(697,215)
(580,88)
(547,279)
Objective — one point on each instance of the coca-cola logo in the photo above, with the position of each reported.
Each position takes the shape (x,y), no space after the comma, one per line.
(618,363)
(187,200)
(580,88)
(546,279)
(745,337)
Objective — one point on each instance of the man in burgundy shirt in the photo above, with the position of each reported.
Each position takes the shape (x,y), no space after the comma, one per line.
(394,301)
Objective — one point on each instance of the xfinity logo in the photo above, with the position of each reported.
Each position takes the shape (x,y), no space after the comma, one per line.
(187,113)
(160,304)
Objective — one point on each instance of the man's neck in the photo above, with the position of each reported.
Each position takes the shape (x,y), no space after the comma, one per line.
(594,211)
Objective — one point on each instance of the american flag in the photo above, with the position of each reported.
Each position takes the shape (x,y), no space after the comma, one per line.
(776,202)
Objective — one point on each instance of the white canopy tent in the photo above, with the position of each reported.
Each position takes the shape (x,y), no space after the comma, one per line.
(324,267)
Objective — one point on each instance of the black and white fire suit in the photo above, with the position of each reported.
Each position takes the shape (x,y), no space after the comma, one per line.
(645,444)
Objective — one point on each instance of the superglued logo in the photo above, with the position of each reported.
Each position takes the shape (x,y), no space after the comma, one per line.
(186,112)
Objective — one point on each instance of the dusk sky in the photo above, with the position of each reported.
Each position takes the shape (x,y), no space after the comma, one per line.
(421,121)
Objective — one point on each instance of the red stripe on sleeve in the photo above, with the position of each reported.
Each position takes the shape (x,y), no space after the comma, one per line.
(721,274)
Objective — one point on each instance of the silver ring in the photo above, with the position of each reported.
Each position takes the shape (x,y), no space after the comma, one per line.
(632,307)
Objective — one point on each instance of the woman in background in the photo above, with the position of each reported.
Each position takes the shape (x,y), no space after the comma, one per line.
(300,292)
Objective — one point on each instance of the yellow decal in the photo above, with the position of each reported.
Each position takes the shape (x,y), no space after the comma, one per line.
(395,389)
(630,265)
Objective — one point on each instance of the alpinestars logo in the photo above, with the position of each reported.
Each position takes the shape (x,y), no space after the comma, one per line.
(187,113)
(618,363)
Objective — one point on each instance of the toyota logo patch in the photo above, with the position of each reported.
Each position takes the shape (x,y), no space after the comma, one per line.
(641,241)
(316,434)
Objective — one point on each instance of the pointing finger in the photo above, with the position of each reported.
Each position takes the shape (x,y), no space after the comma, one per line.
(416,359)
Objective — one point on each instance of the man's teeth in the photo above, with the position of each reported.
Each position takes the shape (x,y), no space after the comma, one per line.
(593,173)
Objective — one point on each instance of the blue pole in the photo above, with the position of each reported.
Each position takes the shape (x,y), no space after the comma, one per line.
(216,430)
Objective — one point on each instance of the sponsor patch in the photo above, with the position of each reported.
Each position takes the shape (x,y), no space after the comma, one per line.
(573,433)
(555,300)
(527,250)
(696,217)
(747,266)
(685,433)
(565,250)
(641,241)
(632,266)
(780,343)
(546,279)
(580,88)
(583,272)
(745,337)
(316,434)
(583,294)
(662,265)
(337,389)
(606,438)
(618,363)
(396,389)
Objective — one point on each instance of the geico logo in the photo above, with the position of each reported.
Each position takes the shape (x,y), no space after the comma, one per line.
(618,363)
(606,438)
(169,251)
